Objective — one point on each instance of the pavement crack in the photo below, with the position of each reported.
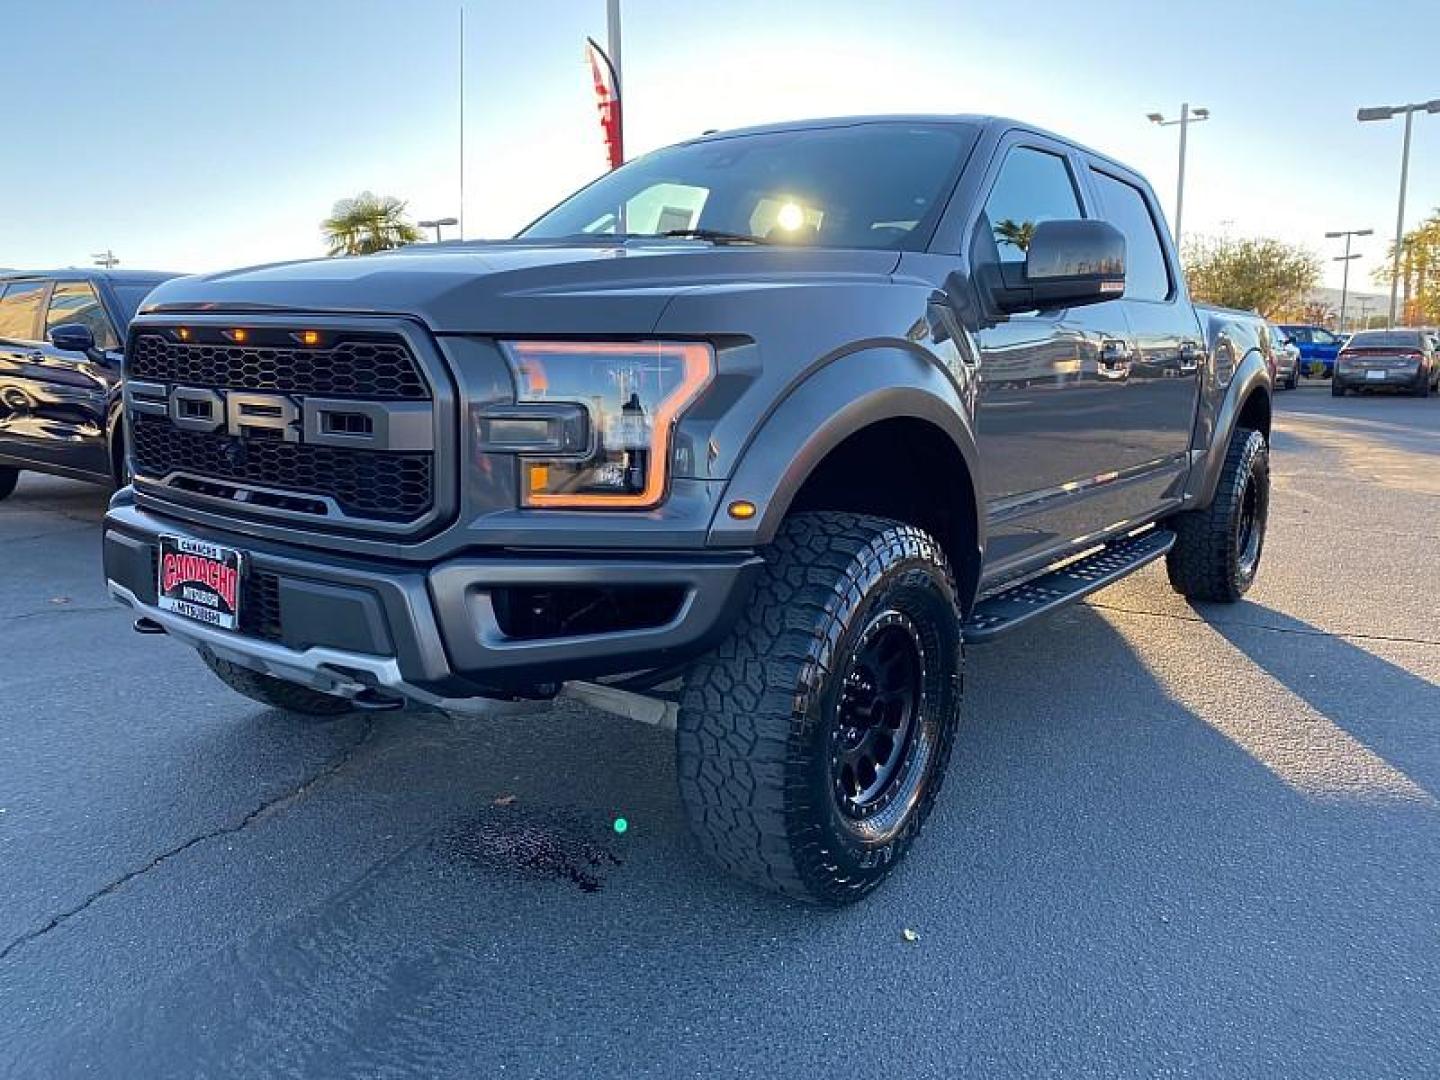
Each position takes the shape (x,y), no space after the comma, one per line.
(264,810)
(1302,631)
(60,609)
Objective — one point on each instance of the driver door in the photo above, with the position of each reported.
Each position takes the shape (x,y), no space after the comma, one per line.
(1052,396)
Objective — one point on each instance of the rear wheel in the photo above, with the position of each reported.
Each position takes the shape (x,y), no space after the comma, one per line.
(276,693)
(813,741)
(8,479)
(1336,390)
(1294,380)
(1423,390)
(1217,550)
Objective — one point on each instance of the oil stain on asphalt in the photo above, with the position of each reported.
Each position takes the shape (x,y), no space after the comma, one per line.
(549,845)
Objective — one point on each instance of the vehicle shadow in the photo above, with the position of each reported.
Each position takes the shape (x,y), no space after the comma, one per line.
(1378,702)
(1105,864)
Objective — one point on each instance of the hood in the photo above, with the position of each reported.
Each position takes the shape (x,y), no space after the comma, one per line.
(518,287)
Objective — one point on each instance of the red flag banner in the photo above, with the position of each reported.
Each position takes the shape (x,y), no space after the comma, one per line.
(607,96)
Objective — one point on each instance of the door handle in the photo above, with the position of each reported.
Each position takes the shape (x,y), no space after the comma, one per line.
(1190,352)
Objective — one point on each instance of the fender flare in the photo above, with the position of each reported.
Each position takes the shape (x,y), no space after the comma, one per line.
(1252,376)
(829,405)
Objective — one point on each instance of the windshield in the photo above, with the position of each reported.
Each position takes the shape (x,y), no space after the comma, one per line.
(862,186)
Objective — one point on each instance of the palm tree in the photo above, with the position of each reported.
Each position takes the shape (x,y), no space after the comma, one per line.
(368,223)
(1016,234)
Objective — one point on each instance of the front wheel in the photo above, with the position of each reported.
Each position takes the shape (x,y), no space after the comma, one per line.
(813,741)
(8,479)
(1217,550)
(1336,390)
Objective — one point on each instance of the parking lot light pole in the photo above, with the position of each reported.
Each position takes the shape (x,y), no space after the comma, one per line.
(1387,112)
(1345,281)
(1188,116)
(436,225)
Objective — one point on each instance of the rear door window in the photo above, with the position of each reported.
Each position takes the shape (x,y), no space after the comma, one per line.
(1147,275)
(20,310)
(76,302)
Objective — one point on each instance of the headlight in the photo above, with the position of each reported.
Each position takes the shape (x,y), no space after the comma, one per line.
(631,395)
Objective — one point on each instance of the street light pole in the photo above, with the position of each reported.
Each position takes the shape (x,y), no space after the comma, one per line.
(1387,112)
(612,41)
(612,45)
(461,93)
(1345,283)
(1187,117)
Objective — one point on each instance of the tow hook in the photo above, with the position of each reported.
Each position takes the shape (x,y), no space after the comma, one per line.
(147,625)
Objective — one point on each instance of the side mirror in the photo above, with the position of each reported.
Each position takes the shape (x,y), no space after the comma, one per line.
(72,337)
(1067,264)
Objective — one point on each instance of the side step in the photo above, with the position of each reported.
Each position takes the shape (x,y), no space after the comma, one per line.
(1016,606)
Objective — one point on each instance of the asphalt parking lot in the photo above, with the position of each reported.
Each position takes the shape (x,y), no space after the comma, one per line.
(1175,841)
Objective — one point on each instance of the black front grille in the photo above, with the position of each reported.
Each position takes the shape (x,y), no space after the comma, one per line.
(368,484)
(362,367)
(262,474)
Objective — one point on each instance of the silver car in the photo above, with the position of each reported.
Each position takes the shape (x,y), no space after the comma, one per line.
(1287,358)
(1401,359)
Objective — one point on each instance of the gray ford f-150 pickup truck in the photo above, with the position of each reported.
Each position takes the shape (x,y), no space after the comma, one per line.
(782,416)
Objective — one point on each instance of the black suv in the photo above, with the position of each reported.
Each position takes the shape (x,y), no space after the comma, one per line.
(61,335)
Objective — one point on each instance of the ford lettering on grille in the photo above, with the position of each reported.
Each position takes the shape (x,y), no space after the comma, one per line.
(396,426)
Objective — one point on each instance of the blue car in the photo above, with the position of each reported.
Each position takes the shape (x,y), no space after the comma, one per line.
(1318,349)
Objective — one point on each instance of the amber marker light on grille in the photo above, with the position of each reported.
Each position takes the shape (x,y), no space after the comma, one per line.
(309,337)
(613,381)
(238,336)
(183,333)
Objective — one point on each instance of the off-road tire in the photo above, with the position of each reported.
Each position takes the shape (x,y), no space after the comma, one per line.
(276,693)
(8,479)
(1211,558)
(760,742)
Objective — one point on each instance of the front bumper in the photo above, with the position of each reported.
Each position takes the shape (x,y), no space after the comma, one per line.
(429,633)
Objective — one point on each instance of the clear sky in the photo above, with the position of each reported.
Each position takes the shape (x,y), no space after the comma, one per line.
(202,134)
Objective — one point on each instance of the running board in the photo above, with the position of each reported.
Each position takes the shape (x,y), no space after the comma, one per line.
(1003,612)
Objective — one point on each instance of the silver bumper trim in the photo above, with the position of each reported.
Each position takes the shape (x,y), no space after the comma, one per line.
(325,670)
(317,667)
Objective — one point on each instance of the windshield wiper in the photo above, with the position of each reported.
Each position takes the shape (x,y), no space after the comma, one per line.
(718,236)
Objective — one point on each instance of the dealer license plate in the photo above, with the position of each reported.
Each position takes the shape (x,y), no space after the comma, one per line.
(1375,374)
(200,581)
